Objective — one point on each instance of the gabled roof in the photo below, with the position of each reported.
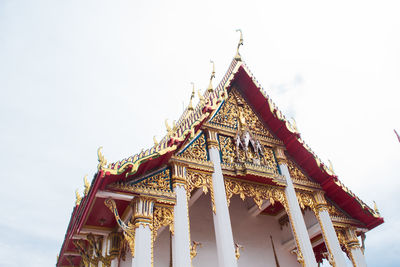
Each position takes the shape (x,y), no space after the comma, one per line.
(189,124)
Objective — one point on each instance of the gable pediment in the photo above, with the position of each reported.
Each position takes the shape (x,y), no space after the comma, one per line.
(236,107)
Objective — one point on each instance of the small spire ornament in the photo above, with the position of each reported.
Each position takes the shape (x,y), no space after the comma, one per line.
(78,197)
(210,87)
(86,185)
(238,57)
(155,141)
(376,210)
(190,107)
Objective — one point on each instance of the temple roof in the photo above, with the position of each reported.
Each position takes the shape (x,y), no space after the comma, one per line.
(189,125)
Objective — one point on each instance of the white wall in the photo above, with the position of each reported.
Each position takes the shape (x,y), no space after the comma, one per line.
(202,230)
(128,260)
(254,234)
(162,248)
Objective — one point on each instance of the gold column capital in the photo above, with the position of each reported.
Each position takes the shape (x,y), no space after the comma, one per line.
(212,139)
(320,201)
(351,238)
(178,174)
(143,210)
(280,155)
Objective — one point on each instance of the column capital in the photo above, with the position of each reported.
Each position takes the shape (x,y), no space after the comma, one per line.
(212,139)
(280,155)
(143,210)
(351,238)
(320,201)
(178,174)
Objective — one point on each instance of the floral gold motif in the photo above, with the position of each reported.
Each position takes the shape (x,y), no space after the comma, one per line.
(161,180)
(258,192)
(201,180)
(163,216)
(229,114)
(197,149)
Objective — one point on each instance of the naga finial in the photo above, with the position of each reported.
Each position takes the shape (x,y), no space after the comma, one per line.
(376,209)
(86,185)
(331,167)
(210,87)
(238,57)
(294,124)
(78,197)
(169,130)
(102,160)
(190,107)
(155,141)
(202,100)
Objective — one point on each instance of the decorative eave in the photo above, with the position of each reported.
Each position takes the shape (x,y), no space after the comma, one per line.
(301,152)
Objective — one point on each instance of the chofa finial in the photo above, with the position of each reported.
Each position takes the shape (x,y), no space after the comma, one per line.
(376,209)
(155,141)
(86,185)
(101,159)
(190,107)
(78,197)
(238,57)
(210,87)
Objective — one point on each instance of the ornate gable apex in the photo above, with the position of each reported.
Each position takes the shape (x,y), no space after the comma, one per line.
(235,111)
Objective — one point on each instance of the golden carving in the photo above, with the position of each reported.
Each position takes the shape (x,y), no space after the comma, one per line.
(305,200)
(258,192)
(200,180)
(295,172)
(78,197)
(210,86)
(86,185)
(300,258)
(128,230)
(247,150)
(376,209)
(163,216)
(238,247)
(197,149)
(160,180)
(234,108)
(193,249)
(238,57)
(101,159)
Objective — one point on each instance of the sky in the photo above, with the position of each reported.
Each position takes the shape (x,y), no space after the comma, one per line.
(76,75)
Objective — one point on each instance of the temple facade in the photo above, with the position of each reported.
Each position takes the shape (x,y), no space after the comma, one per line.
(232,184)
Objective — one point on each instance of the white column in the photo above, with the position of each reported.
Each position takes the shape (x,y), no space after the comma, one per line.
(297,223)
(114,262)
(181,237)
(143,214)
(353,246)
(142,246)
(328,231)
(222,220)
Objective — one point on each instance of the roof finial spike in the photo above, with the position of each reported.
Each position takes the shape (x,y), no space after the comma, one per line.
(238,57)
(169,130)
(190,107)
(331,166)
(78,197)
(376,209)
(202,100)
(155,141)
(86,185)
(210,87)
(101,159)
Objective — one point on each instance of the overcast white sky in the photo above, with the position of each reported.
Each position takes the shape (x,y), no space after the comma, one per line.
(75,75)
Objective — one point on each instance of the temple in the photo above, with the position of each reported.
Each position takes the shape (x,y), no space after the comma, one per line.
(231,184)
